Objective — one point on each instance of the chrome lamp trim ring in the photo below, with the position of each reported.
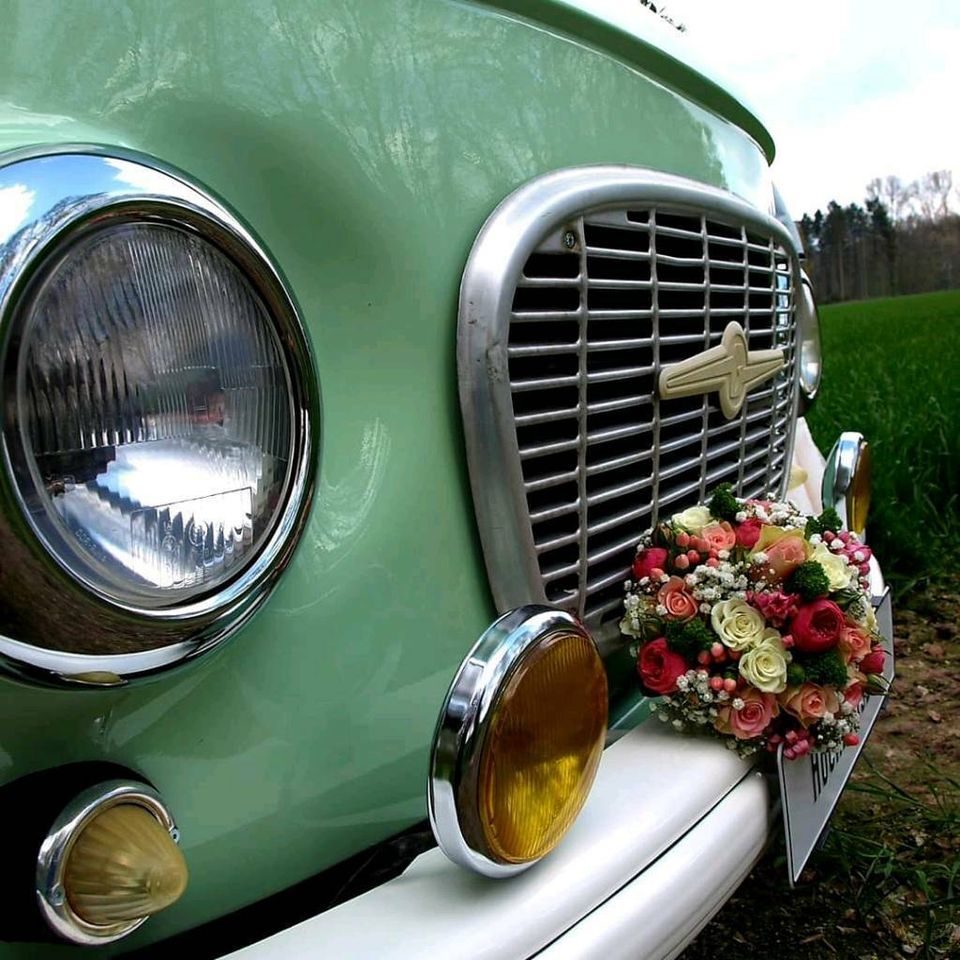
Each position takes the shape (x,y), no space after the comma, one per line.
(74,190)
(463,724)
(841,468)
(538,210)
(55,849)
(808,331)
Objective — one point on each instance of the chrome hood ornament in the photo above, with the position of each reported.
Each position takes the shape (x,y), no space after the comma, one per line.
(731,369)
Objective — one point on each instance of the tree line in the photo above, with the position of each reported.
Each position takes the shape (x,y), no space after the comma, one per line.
(905,238)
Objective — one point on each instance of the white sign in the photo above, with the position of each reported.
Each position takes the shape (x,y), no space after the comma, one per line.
(811,785)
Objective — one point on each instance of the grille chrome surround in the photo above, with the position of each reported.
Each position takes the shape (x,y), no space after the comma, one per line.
(580,287)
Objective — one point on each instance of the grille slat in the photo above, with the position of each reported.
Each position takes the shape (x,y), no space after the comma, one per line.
(542,449)
(553,480)
(587,331)
(547,383)
(538,516)
(628,516)
(554,544)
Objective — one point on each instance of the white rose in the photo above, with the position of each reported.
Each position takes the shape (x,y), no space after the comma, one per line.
(765,666)
(837,571)
(737,624)
(693,519)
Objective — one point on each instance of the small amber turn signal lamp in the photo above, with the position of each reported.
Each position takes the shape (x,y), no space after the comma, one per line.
(518,742)
(109,862)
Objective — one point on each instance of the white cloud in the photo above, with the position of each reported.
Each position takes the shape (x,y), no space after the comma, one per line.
(15,204)
(850,90)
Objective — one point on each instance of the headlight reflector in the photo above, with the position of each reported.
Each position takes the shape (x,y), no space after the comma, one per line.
(519,741)
(155,420)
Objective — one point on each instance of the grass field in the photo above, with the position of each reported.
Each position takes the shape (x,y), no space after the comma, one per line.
(892,371)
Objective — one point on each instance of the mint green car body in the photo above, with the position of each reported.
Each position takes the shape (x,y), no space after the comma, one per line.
(365,143)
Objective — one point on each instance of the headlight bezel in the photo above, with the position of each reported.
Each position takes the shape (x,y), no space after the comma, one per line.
(73,193)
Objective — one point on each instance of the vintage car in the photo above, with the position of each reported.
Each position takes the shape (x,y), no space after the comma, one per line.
(331,336)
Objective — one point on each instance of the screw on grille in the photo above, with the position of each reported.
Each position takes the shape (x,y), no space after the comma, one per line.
(569,239)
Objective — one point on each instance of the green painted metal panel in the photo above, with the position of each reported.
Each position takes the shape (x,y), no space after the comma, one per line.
(365,143)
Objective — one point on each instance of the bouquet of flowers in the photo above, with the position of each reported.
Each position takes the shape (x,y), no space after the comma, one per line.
(753,620)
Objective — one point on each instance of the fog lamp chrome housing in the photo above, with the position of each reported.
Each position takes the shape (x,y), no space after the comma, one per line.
(808,335)
(160,417)
(518,741)
(846,481)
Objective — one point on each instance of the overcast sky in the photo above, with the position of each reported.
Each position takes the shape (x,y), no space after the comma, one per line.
(850,89)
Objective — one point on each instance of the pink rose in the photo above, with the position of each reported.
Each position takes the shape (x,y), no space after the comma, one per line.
(653,558)
(680,604)
(873,662)
(809,702)
(719,536)
(853,645)
(784,556)
(817,626)
(748,533)
(755,716)
(777,607)
(659,666)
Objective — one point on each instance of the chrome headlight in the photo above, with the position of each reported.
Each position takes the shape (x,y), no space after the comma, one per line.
(158,404)
(808,329)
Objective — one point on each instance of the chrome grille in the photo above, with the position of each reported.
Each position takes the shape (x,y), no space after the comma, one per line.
(598,306)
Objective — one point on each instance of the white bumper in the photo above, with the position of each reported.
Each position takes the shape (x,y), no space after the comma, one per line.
(672,825)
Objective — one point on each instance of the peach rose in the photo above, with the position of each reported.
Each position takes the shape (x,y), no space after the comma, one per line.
(784,557)
(853,645)
(809,702)
(752,719)
(680,605)
(719,536)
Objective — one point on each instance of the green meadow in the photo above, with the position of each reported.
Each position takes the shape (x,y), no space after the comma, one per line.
(892,371)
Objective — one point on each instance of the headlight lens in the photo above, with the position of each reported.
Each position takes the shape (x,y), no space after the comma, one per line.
(808,323)
(154,409)
(518,742)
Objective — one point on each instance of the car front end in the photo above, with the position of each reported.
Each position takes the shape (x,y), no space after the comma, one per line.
(333,335)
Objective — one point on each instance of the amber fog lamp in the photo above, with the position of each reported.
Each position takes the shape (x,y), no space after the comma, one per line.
(846,481)
(518,742)
(110,862)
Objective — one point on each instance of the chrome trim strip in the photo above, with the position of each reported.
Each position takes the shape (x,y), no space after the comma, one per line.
(55,849)
(462,726)
(97,640)
(808,340)
(541,213)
